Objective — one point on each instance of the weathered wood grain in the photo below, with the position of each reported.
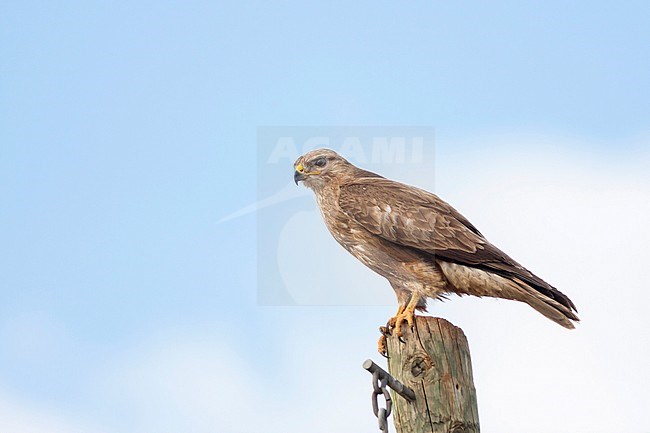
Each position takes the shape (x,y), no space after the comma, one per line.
(434,361)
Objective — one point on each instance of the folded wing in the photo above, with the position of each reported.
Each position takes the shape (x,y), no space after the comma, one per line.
(415,218)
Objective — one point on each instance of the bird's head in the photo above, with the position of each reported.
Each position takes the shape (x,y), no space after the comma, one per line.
(319,167)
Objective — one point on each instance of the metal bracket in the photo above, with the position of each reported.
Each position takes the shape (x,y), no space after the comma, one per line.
(381,379)
(392,383)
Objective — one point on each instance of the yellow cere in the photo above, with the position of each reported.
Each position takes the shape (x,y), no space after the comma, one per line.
(300,168)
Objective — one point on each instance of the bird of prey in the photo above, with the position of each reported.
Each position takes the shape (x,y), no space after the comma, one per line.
(424,247)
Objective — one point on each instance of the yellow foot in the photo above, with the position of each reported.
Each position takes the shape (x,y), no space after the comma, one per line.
(393,320)
(408,316)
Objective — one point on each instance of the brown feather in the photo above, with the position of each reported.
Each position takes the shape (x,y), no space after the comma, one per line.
(422,245)
(418,219)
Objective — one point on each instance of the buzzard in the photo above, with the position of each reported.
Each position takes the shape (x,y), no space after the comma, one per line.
(424,247)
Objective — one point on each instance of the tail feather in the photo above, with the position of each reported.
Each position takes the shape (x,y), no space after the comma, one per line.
(473,281)
(550,308)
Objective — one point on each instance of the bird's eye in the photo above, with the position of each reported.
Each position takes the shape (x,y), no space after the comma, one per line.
(320,162)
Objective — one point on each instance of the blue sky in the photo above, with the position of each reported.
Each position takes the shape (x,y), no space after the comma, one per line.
(128,129)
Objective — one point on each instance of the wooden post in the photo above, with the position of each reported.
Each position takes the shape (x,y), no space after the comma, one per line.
(434,361)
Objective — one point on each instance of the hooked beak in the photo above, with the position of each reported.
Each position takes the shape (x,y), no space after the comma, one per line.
(298,176)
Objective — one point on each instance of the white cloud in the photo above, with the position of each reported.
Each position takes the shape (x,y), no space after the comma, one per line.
(186,385)
(582,225)
(25,417)
(201,383)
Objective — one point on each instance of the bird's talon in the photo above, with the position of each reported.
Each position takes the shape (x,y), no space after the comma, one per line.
(381,346)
